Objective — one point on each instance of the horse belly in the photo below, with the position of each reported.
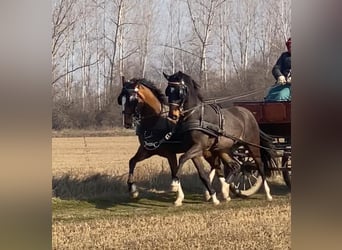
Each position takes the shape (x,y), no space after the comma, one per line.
(223,143)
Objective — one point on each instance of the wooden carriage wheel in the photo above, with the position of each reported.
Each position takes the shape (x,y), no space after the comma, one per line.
(247,181)
(286,164)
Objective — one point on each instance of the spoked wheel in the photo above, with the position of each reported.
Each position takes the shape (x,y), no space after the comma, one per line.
(247,180)
(286,163)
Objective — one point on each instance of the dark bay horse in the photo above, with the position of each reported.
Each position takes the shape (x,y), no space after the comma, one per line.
(141,101)
(221,131)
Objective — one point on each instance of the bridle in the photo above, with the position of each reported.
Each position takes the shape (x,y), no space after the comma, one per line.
(134,98)
(176,92)
(131,95)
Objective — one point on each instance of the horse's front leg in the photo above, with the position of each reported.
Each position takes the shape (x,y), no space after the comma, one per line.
(195,153)
(205,178)
(140,155)
(172,159)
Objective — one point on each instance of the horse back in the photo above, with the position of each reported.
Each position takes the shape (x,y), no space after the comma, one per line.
(239,121)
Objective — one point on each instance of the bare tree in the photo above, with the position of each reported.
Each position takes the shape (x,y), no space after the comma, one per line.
(95,42)
(202,13)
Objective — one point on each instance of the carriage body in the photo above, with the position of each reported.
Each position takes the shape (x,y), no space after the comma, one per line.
(274,118)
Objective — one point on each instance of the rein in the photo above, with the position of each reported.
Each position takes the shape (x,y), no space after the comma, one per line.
(231,98)
(221,133)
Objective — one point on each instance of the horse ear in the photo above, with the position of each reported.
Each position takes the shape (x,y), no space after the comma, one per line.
(122,80)
(166,76)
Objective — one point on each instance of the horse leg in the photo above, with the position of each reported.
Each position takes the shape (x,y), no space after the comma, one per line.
(195,153)
(205,179)
(172,159)
(228,161)
(263,176)
(215,163)
(256,154)
(211,178)
(140,155)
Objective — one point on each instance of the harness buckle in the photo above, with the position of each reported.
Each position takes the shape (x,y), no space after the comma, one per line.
(168,136)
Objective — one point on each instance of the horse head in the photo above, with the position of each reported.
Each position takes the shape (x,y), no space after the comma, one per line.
(183,93)
(128,99)
(139,98)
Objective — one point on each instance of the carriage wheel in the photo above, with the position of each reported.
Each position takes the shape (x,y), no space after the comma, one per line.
(286,163)
(247,181)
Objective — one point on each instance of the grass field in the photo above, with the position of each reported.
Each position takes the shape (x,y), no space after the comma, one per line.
(92,210)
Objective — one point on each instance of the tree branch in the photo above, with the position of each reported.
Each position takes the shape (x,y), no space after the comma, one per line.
(73,70)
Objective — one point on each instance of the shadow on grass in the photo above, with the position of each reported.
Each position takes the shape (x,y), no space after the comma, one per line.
(106,191)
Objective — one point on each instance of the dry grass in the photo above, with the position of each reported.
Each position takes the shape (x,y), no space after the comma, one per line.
(92,209)
(229,228)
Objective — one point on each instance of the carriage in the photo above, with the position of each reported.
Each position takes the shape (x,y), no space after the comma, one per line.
(240,137)
(274,118)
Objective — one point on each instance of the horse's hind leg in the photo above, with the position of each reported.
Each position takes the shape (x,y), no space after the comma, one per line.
(215,164)
(205,179)
(229,164)
(261,169)
(211,178)
(263,175)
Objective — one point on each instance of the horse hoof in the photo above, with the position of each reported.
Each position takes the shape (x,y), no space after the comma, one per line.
(134,195)
(178,203)
(269,198)
(207,196)
(227,199)
(216,202)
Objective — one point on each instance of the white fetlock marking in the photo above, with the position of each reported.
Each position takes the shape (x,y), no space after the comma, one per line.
(215,200)
(224,189)
(267,191)
(135,194)
(211,175)
(174,186)
(134,191)
(180,196)
(206,195)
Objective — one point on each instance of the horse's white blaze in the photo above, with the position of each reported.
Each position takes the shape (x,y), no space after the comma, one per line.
(180,196)
(123,102)
(267,190)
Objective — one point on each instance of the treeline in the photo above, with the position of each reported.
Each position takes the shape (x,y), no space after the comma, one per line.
(229,47)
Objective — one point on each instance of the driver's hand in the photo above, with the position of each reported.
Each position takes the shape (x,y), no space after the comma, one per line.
(281,80)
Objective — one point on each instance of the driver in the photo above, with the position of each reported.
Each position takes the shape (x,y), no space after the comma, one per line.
(281,90)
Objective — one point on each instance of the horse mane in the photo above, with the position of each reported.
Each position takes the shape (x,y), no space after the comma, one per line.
(197,87)
(149,84)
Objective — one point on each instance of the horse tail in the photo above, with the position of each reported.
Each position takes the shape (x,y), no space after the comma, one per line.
(267,150)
